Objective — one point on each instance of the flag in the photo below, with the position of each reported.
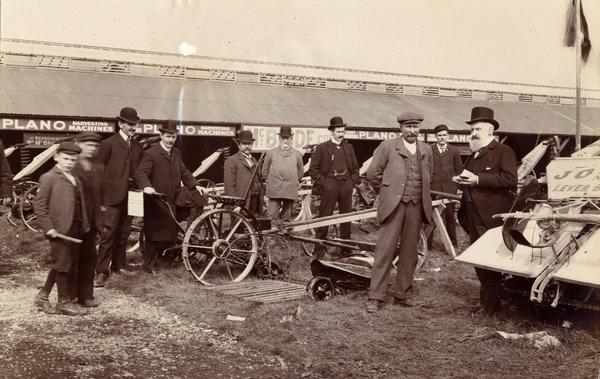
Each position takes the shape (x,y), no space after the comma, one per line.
(586,44)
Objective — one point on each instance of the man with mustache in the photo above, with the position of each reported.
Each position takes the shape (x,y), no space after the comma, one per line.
(400,172)
(162,170)
(488,181)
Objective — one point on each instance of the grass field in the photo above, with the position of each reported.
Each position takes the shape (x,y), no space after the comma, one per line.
(338,338)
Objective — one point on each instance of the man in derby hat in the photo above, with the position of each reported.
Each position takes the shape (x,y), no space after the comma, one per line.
(60,207)
(488,179)
(119,155)
(89,173)
(401,173)
(282,170)
(6,183)
(446,164)
(334,171)
(162,170)
(241,176)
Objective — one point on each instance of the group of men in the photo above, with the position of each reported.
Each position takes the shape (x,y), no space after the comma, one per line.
(86,193)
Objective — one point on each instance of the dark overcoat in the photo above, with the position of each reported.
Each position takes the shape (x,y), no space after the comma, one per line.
(321,162)
(54,203)
(5,175)
(164,173)
(91,182)
(388,173)
(445,166)
(496,166)
(120,162)
(237,174)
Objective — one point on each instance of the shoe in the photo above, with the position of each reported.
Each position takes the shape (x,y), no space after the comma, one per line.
(373,305)
(100,280)
(408,303)
(122,271)
(69,309)
(89,303)
(43,304)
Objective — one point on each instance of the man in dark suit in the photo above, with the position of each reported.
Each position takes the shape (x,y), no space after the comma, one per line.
(488,181)
(61,210)
(400,172)
(120,156)
(238,175)
(162,170)
(446,164)
(334,171)
(5,178)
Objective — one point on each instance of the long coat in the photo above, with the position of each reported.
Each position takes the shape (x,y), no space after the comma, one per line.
(164,173)
(321,162)
(445,166)
(283,170)
(120,162)
(5,175)
(388,173)
(54,203)
(236,177)
(496,166)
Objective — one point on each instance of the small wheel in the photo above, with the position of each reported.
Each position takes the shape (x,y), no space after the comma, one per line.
(320,288)
(208,184)
(333,232)
(26,212)
(136,235)
(220,247)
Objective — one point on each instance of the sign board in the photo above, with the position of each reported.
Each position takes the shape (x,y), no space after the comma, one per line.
(574,177)
(191,130)
(43,140)
(135,203)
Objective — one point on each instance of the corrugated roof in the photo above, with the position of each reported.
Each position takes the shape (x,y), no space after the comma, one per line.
(35,91)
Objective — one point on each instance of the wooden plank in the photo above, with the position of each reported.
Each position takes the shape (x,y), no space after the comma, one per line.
(276,293)
(280,297)
(256,283)
(266,289)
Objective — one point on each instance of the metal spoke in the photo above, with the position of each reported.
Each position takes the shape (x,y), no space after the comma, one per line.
(229,270)
(233,229)
(208,266)
(213,227)
(200,247)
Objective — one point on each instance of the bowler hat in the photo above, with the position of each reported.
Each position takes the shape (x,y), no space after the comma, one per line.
(410,118)
(68,147)
(168,126)
(440,128)
(88,136)
(285,131)
(483,114)
(245,136)
(129,115)
(336,122)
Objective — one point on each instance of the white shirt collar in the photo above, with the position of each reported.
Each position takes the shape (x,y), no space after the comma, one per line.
(336,142)
(123,135)
(165,148)
(412,147)
(442,149)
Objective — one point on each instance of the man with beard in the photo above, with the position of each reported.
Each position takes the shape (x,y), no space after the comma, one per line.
(120,156)
(162,170)
(334,171)
(400,172)
(446,164)
(488,179)
(240,172)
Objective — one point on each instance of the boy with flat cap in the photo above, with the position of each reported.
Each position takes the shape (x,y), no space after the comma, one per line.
(61,210)
(401,173)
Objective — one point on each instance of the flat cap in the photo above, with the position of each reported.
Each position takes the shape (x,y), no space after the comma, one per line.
(439,128)
(68,147)
(410,118)
(88,136)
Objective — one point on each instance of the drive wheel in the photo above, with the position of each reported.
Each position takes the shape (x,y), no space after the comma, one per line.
(320,288)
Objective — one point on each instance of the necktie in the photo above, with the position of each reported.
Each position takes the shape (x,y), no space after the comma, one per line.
(129,141)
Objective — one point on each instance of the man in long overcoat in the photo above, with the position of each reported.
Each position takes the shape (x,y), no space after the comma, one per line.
(488,181)
(401,173)
(120,156)
(334,171)
(283,170)
(162,170)
(446,164)
(238,175)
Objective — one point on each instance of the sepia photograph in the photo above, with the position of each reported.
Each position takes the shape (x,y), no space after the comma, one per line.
(299,189)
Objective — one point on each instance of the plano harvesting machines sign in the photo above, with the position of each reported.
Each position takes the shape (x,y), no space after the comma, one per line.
(574,177)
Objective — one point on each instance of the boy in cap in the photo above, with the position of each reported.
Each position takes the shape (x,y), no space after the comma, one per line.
(61,210)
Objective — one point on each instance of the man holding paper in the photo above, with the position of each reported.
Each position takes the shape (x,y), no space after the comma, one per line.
(488,181)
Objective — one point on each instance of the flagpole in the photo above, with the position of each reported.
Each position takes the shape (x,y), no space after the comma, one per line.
(577,76)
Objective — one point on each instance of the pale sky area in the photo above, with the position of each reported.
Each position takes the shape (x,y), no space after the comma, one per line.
(503,40)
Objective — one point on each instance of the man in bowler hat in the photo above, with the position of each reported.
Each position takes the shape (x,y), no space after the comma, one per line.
(400,172)
(334,171)
(119,155)
(488,181)
(242,175)
(446,164)
(162,170)
(282,169)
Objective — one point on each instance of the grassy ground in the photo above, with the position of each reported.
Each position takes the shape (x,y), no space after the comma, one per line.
(338,338)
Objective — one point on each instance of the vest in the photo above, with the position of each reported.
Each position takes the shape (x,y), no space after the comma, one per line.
(412,189)
(339,166)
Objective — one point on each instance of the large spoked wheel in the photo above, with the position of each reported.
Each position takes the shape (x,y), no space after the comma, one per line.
(333,232)
(220,247)
(26,209)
